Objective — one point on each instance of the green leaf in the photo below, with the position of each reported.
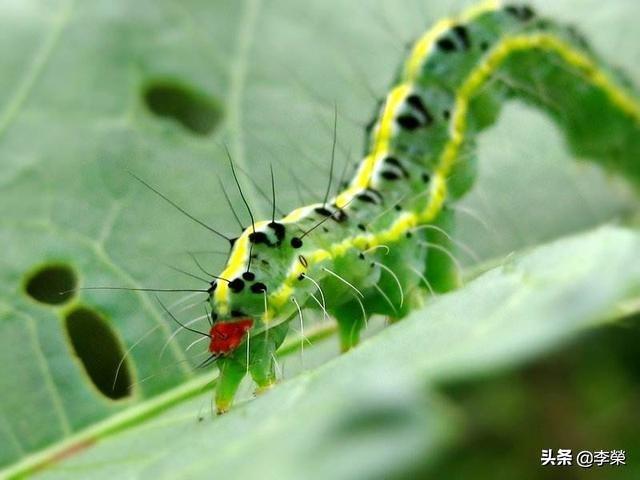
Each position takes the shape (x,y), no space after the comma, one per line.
(367,413)
(79,108)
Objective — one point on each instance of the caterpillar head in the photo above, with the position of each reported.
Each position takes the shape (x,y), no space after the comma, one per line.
(227,335)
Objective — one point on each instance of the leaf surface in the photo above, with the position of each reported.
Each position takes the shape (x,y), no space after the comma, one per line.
(262,77)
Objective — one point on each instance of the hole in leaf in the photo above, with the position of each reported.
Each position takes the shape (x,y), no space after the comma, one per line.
(100,352)
(196,111)
(52,284)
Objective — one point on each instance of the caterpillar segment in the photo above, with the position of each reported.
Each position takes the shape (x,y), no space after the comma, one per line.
(365,248)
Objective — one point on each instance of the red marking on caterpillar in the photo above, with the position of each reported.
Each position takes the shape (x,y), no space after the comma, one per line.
(227,336)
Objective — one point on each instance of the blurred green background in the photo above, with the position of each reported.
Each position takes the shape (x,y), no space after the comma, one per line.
(466,388)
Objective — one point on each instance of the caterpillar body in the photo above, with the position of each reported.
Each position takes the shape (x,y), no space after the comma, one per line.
(377,247)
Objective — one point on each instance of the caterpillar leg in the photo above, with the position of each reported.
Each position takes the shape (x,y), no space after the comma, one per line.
(262,364)
(257,356)
(350,321)
(347,300)
(395,294)
(231,374)
(441,269)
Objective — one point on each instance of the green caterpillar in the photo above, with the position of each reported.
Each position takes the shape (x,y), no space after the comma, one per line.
(376,246)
